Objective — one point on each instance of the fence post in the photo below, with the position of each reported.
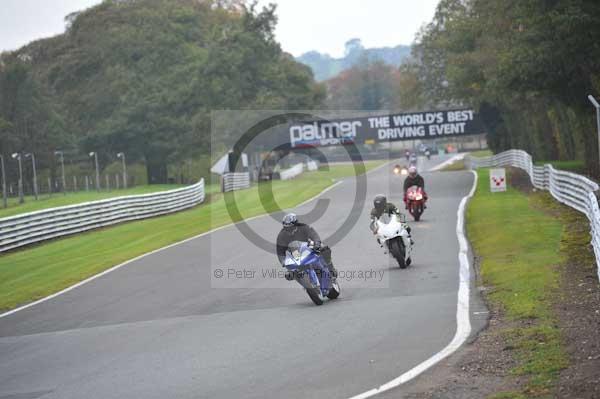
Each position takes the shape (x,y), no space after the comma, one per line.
(87,183)
(107,182)
(117,181)
(50,187)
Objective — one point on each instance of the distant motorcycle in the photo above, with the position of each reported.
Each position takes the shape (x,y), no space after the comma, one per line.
(400,170)
(428,155)
(309,269)
(415,202)
(393,234)
(412,161)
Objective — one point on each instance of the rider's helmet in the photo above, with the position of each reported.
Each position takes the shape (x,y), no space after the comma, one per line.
(412,171)
(290,221)
(379,202)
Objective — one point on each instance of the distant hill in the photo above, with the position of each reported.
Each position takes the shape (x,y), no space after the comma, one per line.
(326,67)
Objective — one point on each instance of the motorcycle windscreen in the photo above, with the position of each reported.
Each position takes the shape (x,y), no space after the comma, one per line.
(385,218)
(298,251)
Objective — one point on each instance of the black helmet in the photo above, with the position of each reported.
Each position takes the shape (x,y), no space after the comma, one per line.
(290,220)
(379,202)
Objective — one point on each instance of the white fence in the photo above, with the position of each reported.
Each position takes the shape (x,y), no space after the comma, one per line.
(571,189)
(47,224)
(312,165)
(292,172)
(235,181)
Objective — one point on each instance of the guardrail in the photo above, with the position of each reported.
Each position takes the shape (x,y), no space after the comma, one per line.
(292,172)
(312,165)
(571,189)
(235,181)
(29,228)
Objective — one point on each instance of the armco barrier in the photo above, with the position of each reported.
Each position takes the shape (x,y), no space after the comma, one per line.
(571,189)
(311,166)
(29,228)
(292,172)
(235,181)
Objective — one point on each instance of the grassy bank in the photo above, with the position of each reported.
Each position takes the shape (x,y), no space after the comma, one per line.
(36,272)
(519,245)
(481,153)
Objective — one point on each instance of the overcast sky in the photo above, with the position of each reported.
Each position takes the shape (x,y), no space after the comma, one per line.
(304,25)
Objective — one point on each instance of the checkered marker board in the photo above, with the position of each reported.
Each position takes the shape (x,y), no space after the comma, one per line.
(497,180)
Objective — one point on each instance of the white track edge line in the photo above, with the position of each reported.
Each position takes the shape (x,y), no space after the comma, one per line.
(463,322)
(116,267)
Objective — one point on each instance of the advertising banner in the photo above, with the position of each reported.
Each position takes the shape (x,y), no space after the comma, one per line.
(385,128)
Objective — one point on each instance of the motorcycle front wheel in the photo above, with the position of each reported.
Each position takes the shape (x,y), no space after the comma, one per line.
(397,249)
(416,211)
(316,295)
(334,292)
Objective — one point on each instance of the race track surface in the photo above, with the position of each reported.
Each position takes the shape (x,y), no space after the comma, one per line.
(161,327)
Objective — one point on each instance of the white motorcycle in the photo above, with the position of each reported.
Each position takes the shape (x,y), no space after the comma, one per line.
(392,233)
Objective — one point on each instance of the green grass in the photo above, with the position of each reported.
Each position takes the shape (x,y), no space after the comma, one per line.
(39,271)
(519,245)
(454,166)
(481,153)
(460,164)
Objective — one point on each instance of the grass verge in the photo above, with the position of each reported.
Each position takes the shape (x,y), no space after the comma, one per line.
(36,272)
(454,166)
(519,245)
(482,153)
(460,164)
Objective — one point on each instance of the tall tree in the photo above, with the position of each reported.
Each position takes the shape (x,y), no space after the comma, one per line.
(527,65)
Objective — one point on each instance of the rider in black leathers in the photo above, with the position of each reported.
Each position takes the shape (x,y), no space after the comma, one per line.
(382,206)
(414,179)
(296,231)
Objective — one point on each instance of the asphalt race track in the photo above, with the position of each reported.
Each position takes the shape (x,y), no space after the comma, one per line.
(165,327)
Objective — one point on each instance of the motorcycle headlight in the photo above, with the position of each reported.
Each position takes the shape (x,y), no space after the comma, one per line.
(419,197)
(296,255)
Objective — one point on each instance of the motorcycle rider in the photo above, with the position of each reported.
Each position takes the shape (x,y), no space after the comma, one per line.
(293,230)
(414,179)
(381,206)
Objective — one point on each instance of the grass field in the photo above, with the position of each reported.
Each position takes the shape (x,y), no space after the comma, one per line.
(519,246)
(36,272)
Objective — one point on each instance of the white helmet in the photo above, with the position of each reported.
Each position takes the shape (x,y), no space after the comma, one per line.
(412,171)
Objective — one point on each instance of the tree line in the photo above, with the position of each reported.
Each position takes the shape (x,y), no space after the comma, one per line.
(141,77)
(527,66)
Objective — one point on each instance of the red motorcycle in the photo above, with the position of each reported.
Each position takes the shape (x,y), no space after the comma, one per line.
(415,201)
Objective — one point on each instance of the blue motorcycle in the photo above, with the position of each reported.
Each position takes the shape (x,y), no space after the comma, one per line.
(308,268)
